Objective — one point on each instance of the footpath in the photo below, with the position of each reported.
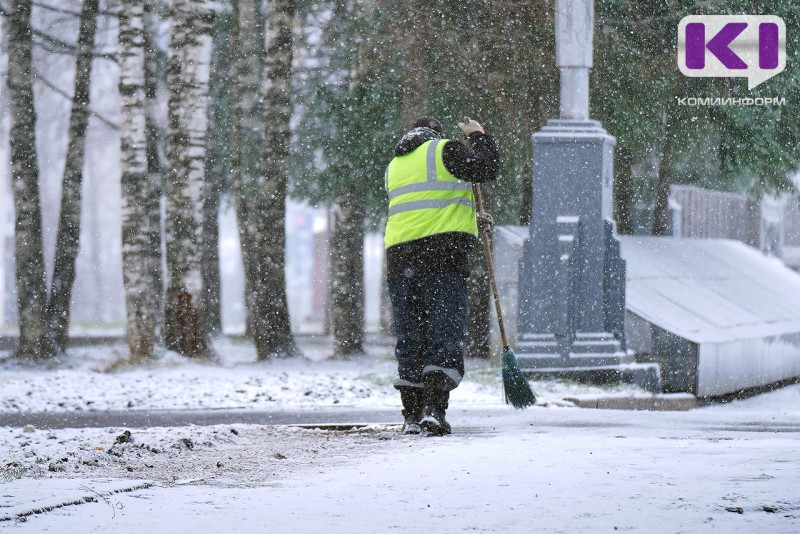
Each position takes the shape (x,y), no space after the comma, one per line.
(717,469)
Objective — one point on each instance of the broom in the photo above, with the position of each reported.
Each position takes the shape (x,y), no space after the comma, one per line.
(517,391)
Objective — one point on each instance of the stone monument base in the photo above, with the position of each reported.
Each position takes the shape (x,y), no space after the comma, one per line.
(596,358)
(645,375)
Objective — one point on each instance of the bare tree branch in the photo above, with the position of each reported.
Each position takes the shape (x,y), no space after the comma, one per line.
(69,11)
(56,9)
(57,46)
(50,85)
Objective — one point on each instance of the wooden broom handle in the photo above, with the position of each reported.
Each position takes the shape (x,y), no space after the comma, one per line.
(487,249)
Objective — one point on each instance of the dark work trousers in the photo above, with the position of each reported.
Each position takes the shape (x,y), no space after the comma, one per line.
(430,315)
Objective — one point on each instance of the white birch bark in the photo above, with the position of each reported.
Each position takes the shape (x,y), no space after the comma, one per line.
(4,167)
(187,79)
(140,194)
(155,110)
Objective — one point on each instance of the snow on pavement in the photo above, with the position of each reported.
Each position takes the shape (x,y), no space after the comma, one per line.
(539,470)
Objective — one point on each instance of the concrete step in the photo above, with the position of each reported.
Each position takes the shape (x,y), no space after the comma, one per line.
(596,347)
(645,375)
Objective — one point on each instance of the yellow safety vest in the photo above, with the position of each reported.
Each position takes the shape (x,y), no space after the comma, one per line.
(424,198)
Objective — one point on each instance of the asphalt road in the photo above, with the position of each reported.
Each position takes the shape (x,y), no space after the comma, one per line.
(161,418)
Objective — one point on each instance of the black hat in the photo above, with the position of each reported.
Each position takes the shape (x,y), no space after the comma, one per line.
(429,122)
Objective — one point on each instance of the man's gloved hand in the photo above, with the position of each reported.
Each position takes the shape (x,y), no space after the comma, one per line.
(484,218)
(470,126)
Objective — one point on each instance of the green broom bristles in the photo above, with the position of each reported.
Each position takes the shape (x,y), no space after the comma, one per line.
(518,392)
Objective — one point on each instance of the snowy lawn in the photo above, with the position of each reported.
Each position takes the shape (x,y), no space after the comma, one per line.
(93,379)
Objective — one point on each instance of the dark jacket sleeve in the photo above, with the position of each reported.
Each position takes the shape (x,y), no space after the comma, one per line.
(480,163)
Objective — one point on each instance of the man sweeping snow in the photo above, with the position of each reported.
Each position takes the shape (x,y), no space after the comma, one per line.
(429,234)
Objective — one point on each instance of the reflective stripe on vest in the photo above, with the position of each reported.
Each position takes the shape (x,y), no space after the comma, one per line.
(426,204)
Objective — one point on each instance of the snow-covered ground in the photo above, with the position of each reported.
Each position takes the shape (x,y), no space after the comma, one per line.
(551,468)
(93,379)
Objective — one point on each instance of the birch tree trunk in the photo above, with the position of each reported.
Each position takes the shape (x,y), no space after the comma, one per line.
(140,194)
(155,126)
(30,274)
(247,134)
(348,209)
(187,79)
(210,252)
(217,165)
(346,249)
(273,335)
(69,222)
(5,166)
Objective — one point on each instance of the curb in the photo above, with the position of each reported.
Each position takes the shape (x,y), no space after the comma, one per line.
(679,402)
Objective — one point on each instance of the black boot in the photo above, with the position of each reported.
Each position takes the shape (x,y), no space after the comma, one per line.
(432,420)
(412,410)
